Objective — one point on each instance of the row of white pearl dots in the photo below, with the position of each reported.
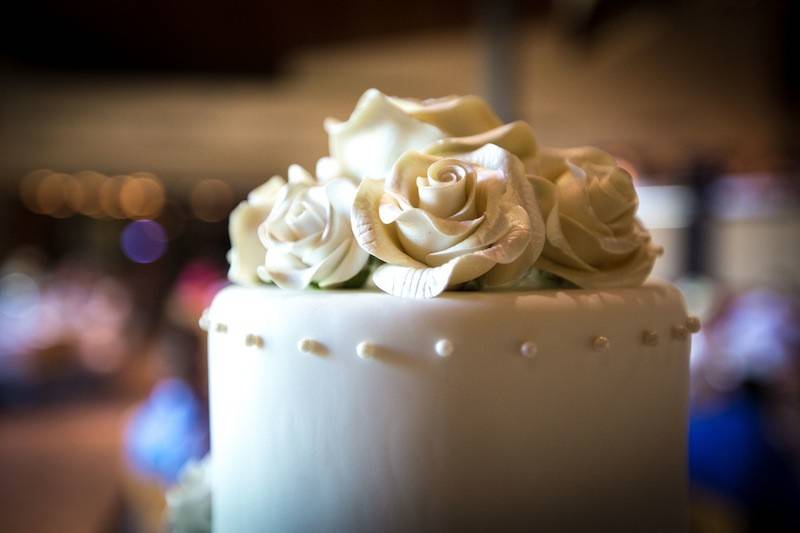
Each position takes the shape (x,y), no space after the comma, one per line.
(445,347)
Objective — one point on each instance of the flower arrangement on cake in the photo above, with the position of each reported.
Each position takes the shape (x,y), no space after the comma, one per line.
(500,405)
(420,197)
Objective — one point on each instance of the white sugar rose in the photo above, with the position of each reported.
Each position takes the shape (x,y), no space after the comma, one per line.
(247,252)
(308,236)
(440,222)
(382,128)
(594,239)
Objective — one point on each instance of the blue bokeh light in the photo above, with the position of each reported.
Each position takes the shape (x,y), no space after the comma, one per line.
(144,241)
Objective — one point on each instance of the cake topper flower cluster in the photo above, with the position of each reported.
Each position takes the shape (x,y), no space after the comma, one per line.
(426,196)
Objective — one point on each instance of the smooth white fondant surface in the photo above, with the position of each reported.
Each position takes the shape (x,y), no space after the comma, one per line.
(482,440)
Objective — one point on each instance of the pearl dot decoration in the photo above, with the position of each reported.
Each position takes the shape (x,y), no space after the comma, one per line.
(222,328)
(310,346)
(601,344)
(254,340)
(693,324)
(444,348)
(649,337)
(366,350)
(680,332)
(204,321)
(528,349)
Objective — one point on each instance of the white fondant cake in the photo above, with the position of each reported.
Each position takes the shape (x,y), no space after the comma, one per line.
(447,404)
(355,411)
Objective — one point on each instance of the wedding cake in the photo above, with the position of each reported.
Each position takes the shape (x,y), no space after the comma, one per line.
(446,328)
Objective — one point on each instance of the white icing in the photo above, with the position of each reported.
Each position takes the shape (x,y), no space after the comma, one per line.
(408,444)
(528,349)
(444,348)
(440,222)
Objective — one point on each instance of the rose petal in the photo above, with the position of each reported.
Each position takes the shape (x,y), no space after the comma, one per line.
(328,168)
(340,193)
(300,176)
(492,157)
(552,163)
(286,270)
(516,137)
(402,182)
(375,135)
(410,282)
(597,250)
(247,252)
(632,273)
(371,234)
(324,268)
(614,199)
(444,198)
(455,115)
(546,193)
(421,233)
(494,226)
(574,201)
(509,273)
(266,193)
(290,272)
(558,247)
(303,219)
(349,266)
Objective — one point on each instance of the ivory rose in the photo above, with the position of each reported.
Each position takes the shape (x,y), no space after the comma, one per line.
(307,234)
(589,204)
(247,252)
(438,222)
(382,128)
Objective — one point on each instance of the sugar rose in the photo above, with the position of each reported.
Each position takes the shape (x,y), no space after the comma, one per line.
(382,128)
(247,252)
(307,234)
(589,204)
(438,222)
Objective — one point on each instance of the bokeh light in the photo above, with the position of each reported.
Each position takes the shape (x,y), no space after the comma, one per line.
(109,196)
(51,195)
(142,196)
(29,187)
(144,241)
(90,182)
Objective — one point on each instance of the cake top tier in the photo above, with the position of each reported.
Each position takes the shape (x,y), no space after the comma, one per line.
(421,196)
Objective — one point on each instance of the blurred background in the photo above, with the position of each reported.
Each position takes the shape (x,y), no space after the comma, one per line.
(129,130)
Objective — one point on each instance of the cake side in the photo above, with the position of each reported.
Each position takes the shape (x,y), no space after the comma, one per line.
(356,411)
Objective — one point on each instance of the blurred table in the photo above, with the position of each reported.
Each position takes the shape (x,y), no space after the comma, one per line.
(60,468)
